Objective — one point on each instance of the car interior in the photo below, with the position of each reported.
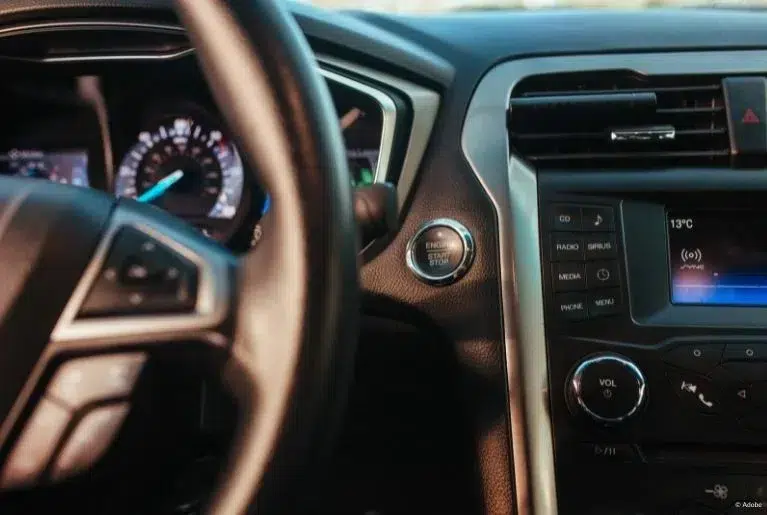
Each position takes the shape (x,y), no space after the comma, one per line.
(260,256)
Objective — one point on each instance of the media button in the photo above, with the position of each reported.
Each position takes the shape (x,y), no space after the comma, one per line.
(600,274)
(565,217)
(598,219)
(605,302)
(571,305)
(566,247)
(600,246)
(569,276)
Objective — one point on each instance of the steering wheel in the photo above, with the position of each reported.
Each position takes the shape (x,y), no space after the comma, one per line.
(92,286)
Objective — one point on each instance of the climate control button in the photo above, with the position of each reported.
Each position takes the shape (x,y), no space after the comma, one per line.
(608,388)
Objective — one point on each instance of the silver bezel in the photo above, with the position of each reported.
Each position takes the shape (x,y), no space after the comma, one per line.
(466,259)
(389,119)
(576,381)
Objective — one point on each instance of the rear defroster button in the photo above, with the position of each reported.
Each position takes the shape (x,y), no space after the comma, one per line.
(441,252)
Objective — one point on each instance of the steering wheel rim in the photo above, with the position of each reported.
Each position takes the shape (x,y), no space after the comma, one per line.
(263,76)
(285,314)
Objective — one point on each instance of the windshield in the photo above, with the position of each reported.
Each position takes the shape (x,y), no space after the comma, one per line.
(416,6)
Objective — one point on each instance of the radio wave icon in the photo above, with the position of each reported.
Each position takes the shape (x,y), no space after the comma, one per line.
(692,255)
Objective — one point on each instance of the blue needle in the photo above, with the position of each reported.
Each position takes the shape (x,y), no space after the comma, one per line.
(159,189)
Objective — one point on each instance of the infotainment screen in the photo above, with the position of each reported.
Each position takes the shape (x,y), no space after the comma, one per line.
(718,257)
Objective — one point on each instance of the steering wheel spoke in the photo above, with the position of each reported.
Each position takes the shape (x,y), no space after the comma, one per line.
(152,280)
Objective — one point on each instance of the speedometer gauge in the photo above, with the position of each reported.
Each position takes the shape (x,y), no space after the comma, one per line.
(189,168)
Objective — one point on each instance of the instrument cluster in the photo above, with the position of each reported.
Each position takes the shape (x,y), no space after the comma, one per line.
(176,153)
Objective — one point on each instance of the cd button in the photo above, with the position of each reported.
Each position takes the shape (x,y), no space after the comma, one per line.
(598,219)
(569,276)
(696,357)
(745,352)
(565,217)
(600,274)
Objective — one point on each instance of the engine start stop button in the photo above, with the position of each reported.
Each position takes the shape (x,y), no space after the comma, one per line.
(441,252)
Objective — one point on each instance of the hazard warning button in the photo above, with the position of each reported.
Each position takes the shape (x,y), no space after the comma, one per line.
(747,110)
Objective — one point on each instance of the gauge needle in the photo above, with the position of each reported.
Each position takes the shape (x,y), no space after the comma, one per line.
(161,187)
(349,118)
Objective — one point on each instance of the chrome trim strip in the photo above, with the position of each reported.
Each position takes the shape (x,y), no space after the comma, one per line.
(76,25)
(102,58)
(512,187)
(425,104)
(467,258)
(389,125)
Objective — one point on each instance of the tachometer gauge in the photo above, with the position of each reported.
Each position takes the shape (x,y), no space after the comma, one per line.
(188,168)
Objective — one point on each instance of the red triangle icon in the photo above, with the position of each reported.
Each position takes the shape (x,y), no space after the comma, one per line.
(750,117)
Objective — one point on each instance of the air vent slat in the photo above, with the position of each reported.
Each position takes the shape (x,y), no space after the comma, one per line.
(690,110)
(615,155)
(711,87)
(594,119)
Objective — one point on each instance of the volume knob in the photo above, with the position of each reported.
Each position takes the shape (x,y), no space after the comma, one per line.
(608,388)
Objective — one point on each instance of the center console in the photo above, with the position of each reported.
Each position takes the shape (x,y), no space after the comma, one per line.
(655,295)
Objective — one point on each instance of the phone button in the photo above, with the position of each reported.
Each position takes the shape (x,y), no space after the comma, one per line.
(695,391)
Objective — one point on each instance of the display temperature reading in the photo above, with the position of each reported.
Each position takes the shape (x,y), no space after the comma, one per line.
(718,258)
(681,223)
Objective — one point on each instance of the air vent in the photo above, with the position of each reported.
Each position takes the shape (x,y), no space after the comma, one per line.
(619,119)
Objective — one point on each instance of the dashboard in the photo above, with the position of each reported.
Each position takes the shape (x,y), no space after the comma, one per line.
(169,148)
(597,347)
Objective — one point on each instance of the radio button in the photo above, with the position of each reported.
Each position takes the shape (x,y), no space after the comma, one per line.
(572,305)
(569,276)
(701,357)
(598,219)
(600,246)
(601,274)
(566,247)
(566,217)
(604,303)
(745,352)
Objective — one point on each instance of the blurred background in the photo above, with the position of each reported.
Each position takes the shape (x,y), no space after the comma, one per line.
(451,5)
